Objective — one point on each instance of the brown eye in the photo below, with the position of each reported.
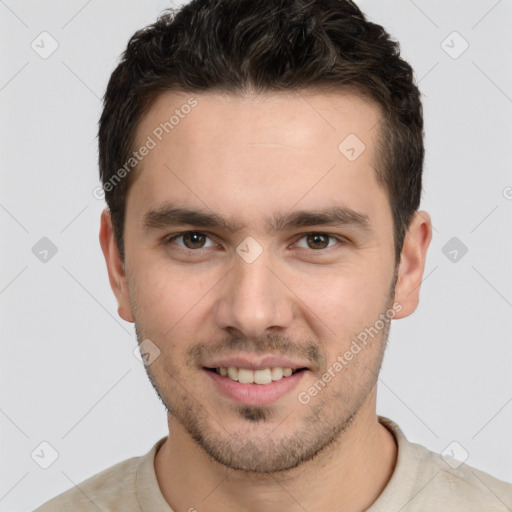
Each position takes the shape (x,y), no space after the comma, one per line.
(318,240)
(191,240)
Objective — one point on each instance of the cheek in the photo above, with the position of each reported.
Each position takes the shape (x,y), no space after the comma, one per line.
(338,305)
(344,296)
(168,298)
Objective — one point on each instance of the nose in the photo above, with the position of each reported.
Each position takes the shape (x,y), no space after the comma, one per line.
(254,298)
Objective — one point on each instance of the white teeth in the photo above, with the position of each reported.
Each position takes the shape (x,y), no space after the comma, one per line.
(262,376)
(277,373)
(247,376)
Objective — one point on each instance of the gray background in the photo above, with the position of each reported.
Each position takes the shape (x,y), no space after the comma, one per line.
(68,375)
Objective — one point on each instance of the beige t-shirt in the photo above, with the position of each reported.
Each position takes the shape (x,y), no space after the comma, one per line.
(422,481)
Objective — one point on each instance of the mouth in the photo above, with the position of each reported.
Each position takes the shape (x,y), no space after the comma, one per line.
(255,387)
(262,377)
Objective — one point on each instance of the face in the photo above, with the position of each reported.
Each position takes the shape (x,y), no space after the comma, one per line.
(254,243)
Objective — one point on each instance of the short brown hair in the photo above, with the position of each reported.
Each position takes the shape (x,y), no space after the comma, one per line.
(267,45)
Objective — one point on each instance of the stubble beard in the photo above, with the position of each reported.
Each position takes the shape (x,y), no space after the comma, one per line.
(270,450)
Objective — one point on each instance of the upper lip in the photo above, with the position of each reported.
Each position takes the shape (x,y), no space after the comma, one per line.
(255,362)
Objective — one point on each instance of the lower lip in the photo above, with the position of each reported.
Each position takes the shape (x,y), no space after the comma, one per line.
(255,394)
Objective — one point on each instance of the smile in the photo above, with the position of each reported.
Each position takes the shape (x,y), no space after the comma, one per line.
(260,387)
(248,376)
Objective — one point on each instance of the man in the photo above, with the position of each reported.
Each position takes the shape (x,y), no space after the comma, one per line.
(262,166)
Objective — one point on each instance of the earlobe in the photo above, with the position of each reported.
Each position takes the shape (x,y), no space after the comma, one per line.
(412,263)
(115,267)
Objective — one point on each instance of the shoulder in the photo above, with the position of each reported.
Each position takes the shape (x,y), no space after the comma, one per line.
(112,489)
(462,486)
(99,491)
(424,480)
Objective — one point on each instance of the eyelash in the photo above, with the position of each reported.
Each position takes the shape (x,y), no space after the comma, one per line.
(168,240)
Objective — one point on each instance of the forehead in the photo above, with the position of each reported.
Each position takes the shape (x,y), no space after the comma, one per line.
(272,149)
(259,118)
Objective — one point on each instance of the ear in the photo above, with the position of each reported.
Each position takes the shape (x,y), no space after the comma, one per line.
(412,263)
(115,267)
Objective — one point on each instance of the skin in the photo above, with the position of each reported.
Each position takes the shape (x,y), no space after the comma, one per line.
(245,157)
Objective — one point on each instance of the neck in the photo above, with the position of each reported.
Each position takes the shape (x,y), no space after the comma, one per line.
(348,475)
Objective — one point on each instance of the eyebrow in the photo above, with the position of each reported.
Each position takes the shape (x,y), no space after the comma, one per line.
(169,215)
